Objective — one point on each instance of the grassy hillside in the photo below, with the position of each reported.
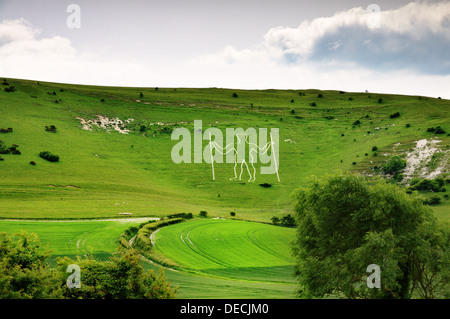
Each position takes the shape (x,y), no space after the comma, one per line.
(105,173)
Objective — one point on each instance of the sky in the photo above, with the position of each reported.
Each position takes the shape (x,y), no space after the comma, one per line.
(352,45)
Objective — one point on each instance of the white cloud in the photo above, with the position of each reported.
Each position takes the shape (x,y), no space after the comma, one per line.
(24,55)
(413,37)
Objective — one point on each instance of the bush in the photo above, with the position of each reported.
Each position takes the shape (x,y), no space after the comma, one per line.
(232,214)
(288,220)
(436,185)
(436,130)
(32,163)
(433,200)
(313,104)
(235,95)
(320,95)
(265,185)
(275,220)
(394,165)
(380,100)
(357,122)
(394,115)
(203,213)
(50,128)
(49,156)
(10,89)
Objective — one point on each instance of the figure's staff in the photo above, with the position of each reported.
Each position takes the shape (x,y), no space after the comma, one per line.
(212,159)
(274,156)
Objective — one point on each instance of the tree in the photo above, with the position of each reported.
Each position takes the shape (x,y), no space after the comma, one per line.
(348,222)
(120,277)
(24,274)
(394,165)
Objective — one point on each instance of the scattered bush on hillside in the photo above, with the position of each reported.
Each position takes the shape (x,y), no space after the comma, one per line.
(350,99)
(313,104)
(436,185)
(275,220)
(341,92)
(203,213)
(10,89)
(292,101)
(50,128)
(292,111)
(1,158)
(380,100)
(265,185)
(394,165)
(4,82)
(433,200)
(288,220)
(394,115)
(32,163)
(436,130)
(357,122)
(49,156)
(235,95)
(232,214)
(408,125)
(320,95)
(329,117)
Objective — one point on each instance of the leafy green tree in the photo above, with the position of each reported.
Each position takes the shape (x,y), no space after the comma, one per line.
(121,277)
(394,165)
(348,222)
(24,273)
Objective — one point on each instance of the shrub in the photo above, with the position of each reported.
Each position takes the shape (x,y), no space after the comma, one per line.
(394,115)
(313,104)
(374,148)
(357,122)
(265,185)
(16,152)
(292,111)
(433,200)
(49,156)
(320,95)
(275,220)
(394,165)
(235,95)
(50,128)
(232,214)
(436,130)
(32,163)
(203,213)
(141,95)
(341,92)
(288,220)
(408,125)
(10,89)
(380,100)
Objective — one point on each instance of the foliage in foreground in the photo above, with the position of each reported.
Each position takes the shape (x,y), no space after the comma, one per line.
(347,222)
(25,273)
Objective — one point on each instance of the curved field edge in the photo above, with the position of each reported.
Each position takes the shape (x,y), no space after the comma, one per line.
(229,249)
(74,237)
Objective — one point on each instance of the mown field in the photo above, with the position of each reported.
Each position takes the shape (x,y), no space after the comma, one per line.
(105,174)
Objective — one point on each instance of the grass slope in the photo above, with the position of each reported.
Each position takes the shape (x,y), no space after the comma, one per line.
(115,173)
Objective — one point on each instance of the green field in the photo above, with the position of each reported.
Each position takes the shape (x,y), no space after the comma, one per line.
(73,238)
(230,249)
(103,174)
